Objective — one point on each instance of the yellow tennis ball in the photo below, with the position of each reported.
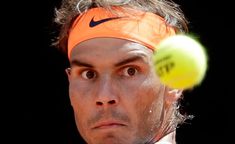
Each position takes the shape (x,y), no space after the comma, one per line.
(180,61)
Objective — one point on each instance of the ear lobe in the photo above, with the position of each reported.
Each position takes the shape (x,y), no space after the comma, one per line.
(172,95)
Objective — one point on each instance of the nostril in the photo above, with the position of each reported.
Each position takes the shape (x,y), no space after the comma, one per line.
(99,103)
(112,102)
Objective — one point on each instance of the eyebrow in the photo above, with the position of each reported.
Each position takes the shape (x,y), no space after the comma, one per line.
(81,64)
(131,59)
(123,62)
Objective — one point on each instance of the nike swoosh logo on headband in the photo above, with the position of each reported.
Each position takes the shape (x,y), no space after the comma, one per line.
(95,23)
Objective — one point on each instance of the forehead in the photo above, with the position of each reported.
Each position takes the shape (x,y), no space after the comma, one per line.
(108,47)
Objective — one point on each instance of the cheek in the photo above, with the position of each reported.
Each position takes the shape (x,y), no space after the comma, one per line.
(144,92)
(148,105)
(79,92)
(80,99)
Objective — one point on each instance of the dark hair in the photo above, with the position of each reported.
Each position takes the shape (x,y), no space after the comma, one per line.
(70,9)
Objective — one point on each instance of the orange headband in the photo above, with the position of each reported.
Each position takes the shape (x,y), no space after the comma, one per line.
(142,27)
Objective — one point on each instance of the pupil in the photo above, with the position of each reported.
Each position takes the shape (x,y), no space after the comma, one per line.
(131,71)
(90,74)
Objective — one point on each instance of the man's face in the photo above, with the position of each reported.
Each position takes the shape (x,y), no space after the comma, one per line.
(116,96)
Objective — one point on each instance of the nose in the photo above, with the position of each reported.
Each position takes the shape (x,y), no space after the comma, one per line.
(106,94)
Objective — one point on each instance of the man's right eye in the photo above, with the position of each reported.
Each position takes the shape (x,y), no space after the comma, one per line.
(88,74)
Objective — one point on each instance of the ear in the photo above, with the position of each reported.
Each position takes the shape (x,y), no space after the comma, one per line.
(68,72)
(172,95)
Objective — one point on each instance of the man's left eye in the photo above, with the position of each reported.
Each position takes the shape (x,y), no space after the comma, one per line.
(130,71)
